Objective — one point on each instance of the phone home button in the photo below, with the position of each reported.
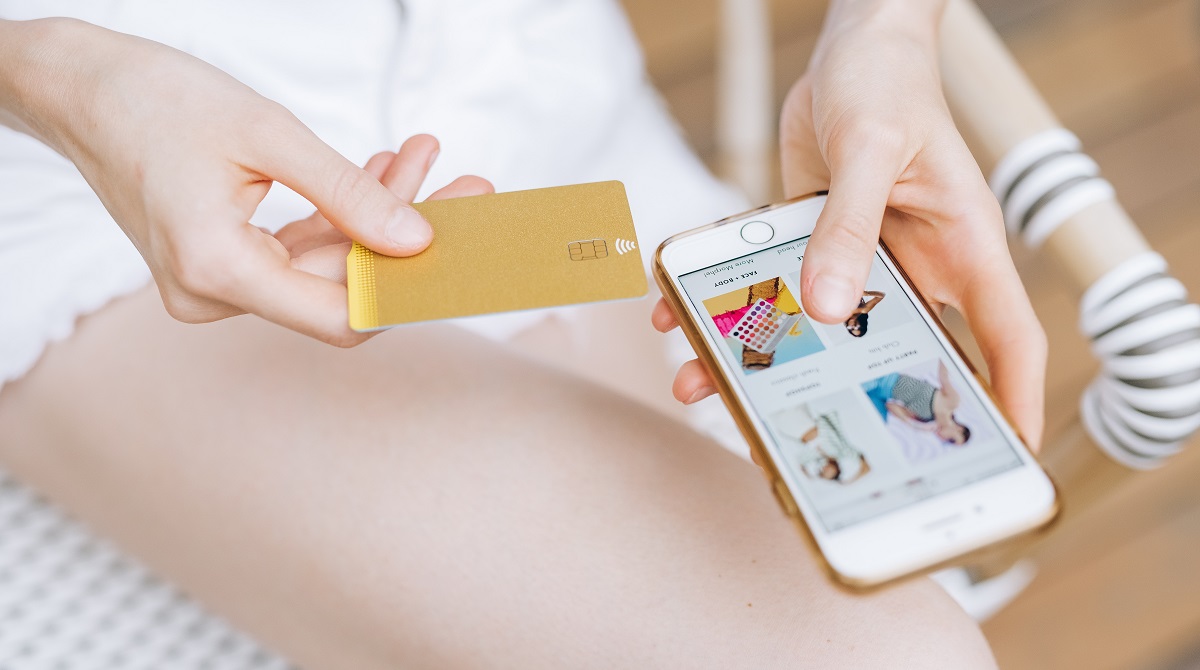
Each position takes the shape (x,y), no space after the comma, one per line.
(757,232)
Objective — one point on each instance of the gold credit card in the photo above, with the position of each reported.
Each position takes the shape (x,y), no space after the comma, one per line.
(501,253)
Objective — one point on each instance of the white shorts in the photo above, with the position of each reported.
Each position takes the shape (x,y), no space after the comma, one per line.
(527,93)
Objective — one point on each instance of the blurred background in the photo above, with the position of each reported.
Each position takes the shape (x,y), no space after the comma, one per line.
(1118,582)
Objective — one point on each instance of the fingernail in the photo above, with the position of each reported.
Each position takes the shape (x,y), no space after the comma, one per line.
(433,158)
(832,295)
(409,230)
(700,394)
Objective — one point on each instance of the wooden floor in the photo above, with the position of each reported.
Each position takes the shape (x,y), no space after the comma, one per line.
(1119,580)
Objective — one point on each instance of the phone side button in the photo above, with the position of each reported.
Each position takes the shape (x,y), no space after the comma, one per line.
(785,498)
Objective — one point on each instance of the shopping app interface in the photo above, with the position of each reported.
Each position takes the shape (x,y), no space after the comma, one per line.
(869,415)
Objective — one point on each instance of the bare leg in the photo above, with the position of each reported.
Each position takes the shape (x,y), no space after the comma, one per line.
(431,500)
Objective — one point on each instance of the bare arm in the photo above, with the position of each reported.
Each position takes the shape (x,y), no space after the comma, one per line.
(875,297)
(31,57)
(903,413)
(948,391)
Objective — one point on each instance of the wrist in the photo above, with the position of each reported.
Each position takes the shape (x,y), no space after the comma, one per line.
(918,20)
(38,73)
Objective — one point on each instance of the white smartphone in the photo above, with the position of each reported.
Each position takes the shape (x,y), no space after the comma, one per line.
(876,434)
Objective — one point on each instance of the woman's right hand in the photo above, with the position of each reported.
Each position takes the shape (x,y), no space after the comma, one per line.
(869,123)
(181,154)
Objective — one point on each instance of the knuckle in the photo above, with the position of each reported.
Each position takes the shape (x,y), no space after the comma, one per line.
(268,134)
(977,209)
(201,270)
(268,123)
(350,186)
(855,132)
(193,275)
(851,235)
(181,307)
(174,307)
(345,339)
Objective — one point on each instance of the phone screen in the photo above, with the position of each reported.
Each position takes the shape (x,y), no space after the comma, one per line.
(870,415)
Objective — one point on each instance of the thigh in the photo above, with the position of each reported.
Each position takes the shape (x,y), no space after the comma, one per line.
(430,499)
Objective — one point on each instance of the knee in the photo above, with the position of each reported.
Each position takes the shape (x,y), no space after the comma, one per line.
(913,625)
(939,634)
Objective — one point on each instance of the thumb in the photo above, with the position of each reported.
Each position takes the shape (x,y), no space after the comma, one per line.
(839,254)
(348,196)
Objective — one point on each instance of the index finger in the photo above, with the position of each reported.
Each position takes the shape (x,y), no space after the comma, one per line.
(1001,318)
(349,197)
(663,318)
(844,240)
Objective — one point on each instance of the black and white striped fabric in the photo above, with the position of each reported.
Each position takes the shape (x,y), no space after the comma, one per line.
(1146,400)
(1044,181)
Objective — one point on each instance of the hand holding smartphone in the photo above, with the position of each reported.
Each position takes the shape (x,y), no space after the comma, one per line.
(876,435)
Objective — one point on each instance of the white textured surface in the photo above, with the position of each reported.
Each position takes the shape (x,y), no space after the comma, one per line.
(70,601)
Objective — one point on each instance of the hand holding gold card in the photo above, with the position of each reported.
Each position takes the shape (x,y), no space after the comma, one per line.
(501,253)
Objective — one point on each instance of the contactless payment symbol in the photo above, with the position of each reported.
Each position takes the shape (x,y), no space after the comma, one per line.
(624,246)
(587,250)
